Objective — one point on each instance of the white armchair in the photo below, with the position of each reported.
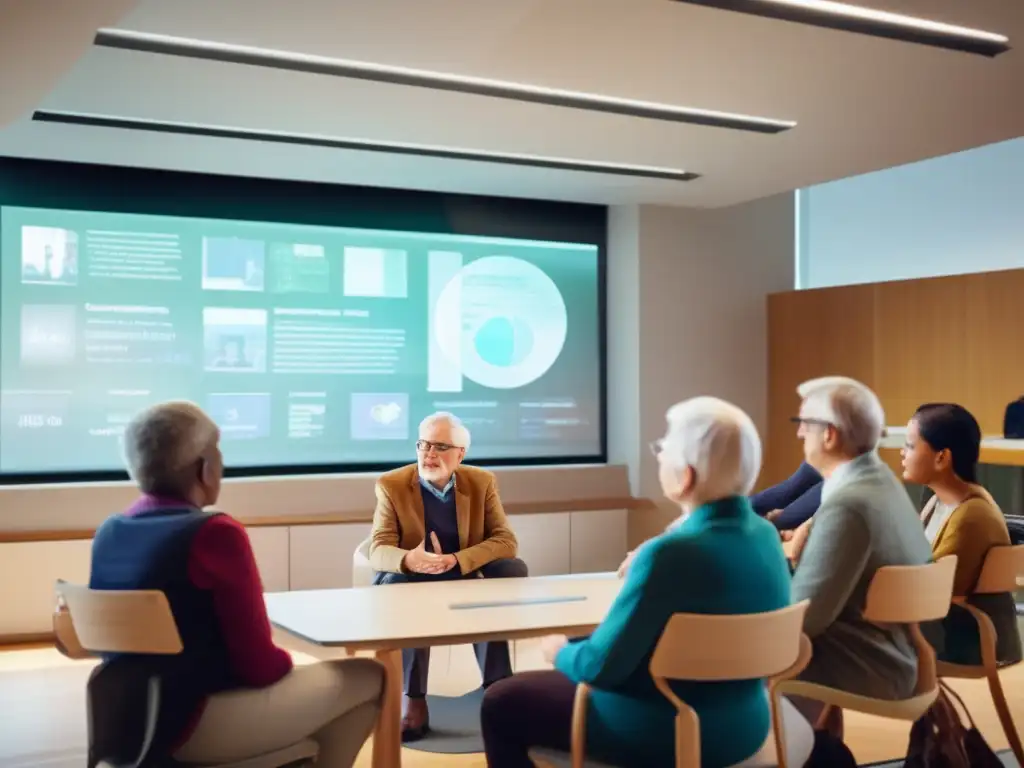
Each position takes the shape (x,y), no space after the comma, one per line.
(362,573)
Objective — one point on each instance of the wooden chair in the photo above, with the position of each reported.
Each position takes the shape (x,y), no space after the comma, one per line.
(139,622)
(1003,566)
(905,595)
(706,648)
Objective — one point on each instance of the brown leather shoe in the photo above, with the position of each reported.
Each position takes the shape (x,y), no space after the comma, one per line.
(416,720)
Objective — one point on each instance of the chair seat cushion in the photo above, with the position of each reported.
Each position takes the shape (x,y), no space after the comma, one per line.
(900,709)
(799,745)
(969,671)
(799,741)
(302,752)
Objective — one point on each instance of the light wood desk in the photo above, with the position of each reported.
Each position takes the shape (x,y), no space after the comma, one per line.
(387,619)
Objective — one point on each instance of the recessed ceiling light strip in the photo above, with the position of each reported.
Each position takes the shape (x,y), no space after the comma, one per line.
(361,145)
(869,21)
(381,73)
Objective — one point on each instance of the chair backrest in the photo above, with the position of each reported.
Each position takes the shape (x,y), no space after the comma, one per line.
(703,647)
(911,594)
(1003,565)
(363,550)
(116,621)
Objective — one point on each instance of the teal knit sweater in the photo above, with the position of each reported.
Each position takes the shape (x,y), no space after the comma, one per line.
(723,559)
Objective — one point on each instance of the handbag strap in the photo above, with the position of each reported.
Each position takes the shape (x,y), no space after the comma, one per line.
(953,696)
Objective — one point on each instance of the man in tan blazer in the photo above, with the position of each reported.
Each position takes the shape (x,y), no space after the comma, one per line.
(437,520)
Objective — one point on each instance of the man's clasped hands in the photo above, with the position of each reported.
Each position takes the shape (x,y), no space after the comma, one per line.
(419,560)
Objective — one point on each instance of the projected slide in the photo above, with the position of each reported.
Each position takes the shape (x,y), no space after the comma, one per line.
(501,321)
(308,345)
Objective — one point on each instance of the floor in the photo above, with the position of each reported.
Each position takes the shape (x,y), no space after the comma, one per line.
(43,721)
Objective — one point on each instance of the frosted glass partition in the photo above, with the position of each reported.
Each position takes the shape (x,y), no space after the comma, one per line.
(948,215)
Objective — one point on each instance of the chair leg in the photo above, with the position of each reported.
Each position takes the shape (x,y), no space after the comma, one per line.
(1003,710)
(823,718)
(834,722)
(779,730)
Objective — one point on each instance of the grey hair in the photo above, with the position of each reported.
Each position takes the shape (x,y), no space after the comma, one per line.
(460,434)
(163,443)
(851,406)
(719,441)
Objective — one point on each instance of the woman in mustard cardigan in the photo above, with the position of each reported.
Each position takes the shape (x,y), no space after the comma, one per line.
(962,519)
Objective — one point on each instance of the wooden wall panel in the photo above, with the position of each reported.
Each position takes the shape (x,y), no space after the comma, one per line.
(952,339)
(995,342)
(811,333)
(920,345)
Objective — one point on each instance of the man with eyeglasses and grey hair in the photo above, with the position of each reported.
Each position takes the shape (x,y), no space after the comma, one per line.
(866,521)
(437,520)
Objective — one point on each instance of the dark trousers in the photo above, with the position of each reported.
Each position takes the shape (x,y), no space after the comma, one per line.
(492,657)
(531,709)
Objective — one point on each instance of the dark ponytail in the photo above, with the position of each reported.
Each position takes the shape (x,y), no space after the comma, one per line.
(950,426)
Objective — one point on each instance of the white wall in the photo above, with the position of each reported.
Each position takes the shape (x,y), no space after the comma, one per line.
(85,505)
(301,556)
(949,215)
(687,304)
(307,557)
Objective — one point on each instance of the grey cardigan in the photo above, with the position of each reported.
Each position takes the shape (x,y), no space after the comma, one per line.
(866,521)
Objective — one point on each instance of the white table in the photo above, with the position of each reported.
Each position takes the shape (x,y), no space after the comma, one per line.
(387,619)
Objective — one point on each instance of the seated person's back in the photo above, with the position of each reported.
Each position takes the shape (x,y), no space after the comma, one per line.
(866,521)
(204,564)
(720,559)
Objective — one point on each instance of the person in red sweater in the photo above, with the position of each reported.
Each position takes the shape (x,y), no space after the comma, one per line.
(232,694)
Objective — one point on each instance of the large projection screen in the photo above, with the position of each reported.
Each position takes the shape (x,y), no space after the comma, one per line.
(316,347)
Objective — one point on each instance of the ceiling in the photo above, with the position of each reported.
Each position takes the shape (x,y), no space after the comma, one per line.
(860,103)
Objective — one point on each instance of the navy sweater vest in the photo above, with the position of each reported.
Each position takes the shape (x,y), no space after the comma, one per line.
(151,551)
(441,518)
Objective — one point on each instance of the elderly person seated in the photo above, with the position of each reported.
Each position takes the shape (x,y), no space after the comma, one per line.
(866,521)
(942,448)
(436,520)
(231,694)
(792,502)
(721,559)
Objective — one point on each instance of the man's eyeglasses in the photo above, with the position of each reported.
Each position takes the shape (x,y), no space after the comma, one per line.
(815,422)
(425,446)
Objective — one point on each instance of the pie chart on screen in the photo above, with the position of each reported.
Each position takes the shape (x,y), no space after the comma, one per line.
(504,341)
(502,320)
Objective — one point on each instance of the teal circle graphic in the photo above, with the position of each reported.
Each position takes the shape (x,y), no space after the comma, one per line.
(502,321)
(504,341)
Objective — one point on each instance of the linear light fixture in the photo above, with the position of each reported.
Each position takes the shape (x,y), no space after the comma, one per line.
(868,21)
(362,145)
(381,73)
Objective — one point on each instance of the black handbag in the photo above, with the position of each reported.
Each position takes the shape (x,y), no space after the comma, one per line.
(939,738)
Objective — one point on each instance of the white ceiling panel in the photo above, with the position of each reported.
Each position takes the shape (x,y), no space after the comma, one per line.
(860,103)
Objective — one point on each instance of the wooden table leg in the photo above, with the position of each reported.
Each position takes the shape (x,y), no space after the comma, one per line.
(387,736)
